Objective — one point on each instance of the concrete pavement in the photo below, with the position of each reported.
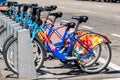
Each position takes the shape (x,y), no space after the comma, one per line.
(103,18)
(1,76)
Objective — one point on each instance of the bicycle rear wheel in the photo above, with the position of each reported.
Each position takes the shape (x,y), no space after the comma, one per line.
(98,58)
(102,62)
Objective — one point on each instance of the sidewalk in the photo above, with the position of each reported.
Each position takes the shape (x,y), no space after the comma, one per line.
(1,77)
(1,61)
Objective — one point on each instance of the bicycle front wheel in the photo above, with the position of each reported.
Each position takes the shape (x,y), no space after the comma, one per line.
(38,52)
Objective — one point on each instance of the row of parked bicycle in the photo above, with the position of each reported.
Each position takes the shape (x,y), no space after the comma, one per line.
(90,51)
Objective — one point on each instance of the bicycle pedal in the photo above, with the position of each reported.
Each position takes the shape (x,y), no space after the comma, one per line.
(50,57)
(71,58)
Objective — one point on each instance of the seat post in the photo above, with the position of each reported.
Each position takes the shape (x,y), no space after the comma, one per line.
(76,28)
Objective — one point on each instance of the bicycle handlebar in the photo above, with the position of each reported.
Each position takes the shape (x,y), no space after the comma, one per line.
(68,24)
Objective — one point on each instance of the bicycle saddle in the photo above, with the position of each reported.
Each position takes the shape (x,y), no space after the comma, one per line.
(53,7)
(47,8)
(19,5)
(57,14)
(40,9)
(80,18)
(50,8)
(33,5)
(69,24)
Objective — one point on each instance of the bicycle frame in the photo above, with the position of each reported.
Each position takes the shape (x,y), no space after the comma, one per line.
(52,30)
(56,51)
(3,2)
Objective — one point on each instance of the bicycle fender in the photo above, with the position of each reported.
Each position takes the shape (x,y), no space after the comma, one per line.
(93,39)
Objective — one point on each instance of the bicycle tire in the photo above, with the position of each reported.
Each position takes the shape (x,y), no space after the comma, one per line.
(2,30)
(107,48)
(100,69)
(97,55)
(1,27)
(10,65)
(5,43)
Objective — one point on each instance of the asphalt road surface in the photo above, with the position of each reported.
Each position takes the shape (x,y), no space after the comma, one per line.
(104,18)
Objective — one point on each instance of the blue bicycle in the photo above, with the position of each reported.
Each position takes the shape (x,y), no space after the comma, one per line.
(81,49)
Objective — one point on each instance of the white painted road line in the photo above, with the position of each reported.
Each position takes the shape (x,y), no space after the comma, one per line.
(114,66)
(61,7)
(85,10)
(64,21)
(118,16)
(112,79)
(116,35)
(99,6)
(111,65)
(87,27)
